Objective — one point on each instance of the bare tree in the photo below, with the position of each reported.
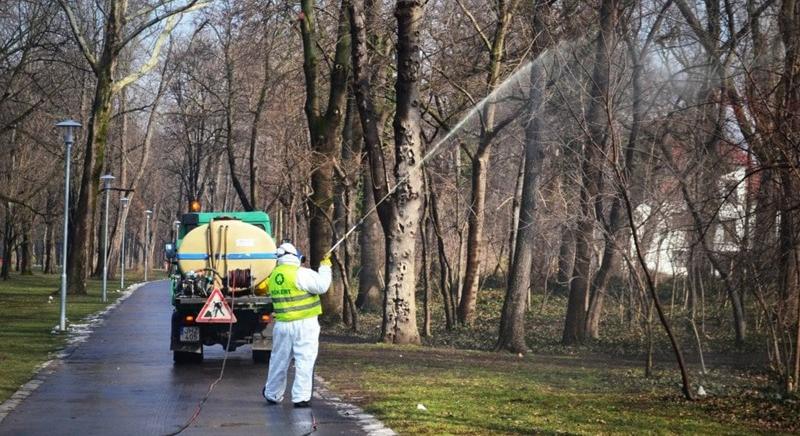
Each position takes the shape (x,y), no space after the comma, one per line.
(371,238)
(594,150)
(119,31)
(480,158)
(615,239)
(400,312)
(324,128)
(512,321)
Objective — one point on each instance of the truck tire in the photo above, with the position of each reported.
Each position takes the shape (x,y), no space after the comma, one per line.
(261,356)
(184,357)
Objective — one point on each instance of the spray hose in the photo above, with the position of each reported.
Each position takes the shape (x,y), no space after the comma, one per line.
(394,188)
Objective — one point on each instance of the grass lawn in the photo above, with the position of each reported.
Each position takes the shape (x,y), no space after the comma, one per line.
(597,387)
(28,320)
(474,392)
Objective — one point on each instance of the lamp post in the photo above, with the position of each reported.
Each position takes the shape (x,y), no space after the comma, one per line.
(68,127)
(106,179)
(148,213)
(124,201)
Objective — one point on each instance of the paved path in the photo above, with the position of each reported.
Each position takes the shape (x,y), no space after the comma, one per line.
(121,381)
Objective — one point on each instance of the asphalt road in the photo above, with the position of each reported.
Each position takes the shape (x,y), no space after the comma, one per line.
(122,381)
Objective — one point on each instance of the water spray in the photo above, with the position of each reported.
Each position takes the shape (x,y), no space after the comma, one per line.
(435,149)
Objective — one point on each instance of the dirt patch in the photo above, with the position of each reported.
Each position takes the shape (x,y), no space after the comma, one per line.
(435,357)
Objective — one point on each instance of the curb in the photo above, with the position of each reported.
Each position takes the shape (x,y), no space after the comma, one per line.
(76,335)
(370,424)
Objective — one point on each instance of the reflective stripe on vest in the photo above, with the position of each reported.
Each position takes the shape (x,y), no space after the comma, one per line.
(288,302)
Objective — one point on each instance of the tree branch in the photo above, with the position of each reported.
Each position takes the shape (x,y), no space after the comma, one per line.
(193,5)
(705,39)
(310,61)
(73,24)
(475,25)
(151,63)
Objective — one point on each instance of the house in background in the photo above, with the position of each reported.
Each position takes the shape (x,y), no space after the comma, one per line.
(666,231)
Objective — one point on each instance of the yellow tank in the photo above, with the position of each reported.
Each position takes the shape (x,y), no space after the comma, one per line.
(227,245)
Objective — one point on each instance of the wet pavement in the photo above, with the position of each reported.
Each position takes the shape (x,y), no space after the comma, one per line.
(122,381)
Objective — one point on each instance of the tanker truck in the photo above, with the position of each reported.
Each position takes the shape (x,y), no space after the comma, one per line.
(218,267)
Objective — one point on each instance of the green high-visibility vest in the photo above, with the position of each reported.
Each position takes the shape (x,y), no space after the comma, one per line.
(288,302)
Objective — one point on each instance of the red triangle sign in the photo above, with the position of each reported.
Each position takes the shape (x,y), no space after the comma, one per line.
(216,310)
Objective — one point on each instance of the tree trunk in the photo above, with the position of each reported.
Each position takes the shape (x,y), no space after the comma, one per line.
(26,250)
(247,203)
(687,392)
(104,68)
(712,115)
(375,178)
(789,125)
(592,173)
(576,303)
(512,321)
(796,373)
(343,206)
(400,312)
(445,277)
(96,137)
(457,281)
(474,249)
(480,176)
(8,242)
(48,266)
(260,105)
(426,276)
(371,242)
(368,114)
(614,239)
(97,225)
(325,138)
(9,236)
(566,257)
(515,212)
(699,227)
(692,297)
(597,289)
(122,181)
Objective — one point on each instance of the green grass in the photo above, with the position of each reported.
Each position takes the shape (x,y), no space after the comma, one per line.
(27,321)
(470,392)
(596,387)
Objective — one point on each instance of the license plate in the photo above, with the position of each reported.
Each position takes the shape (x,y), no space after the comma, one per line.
(190,334)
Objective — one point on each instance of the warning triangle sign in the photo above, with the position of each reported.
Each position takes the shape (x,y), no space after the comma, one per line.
(216,310)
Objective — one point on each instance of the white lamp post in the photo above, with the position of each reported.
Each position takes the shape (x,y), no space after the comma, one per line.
(68,127)
(124,201)
(177,225)
(106,179)
(148,213)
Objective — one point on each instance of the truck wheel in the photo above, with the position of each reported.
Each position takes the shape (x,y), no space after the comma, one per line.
(261,356)
(183,357)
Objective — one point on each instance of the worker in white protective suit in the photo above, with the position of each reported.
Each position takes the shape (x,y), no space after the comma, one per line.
(295,298)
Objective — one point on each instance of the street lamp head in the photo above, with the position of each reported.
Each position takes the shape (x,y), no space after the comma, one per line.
(106,179)
(68,127)
(176,223)
(124,201)
(149,213)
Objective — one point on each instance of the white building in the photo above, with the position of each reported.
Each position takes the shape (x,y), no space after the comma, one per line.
(666,229)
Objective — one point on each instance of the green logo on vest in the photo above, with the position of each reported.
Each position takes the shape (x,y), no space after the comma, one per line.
(279,279)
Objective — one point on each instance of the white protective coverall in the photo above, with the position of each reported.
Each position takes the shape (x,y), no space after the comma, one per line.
(298,339)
